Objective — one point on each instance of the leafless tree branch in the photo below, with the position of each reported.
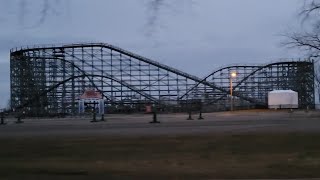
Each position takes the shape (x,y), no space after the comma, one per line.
(158,8)
(48,7)
(22,6)
(308,41)
(52,7)
(310,7)
(154,7)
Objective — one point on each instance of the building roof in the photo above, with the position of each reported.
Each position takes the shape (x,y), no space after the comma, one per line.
(282,91)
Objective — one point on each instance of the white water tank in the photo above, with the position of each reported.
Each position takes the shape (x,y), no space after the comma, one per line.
(283,99)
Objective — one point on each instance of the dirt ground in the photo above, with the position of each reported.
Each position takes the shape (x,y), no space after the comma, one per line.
(238,145)
(171,124)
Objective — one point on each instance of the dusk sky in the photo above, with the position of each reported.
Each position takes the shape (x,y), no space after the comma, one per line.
(195,36)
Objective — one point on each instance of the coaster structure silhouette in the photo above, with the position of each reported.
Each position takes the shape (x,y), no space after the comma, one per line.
(49,79)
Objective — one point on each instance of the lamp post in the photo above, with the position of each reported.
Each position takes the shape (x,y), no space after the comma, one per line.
(232,75)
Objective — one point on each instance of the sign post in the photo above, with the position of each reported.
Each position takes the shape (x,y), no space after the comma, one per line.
(2,119)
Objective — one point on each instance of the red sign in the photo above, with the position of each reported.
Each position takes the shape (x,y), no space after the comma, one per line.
(91,94)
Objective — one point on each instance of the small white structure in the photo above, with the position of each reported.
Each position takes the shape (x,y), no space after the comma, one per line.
(93,98)
(283,99)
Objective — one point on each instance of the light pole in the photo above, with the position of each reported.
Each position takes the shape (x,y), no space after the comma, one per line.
(232,75)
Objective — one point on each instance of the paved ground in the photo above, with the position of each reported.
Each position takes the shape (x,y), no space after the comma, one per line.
(171,124)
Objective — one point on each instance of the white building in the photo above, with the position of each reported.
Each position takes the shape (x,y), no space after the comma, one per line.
(283,99)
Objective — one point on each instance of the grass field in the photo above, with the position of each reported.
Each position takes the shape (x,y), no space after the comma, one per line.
(185,157)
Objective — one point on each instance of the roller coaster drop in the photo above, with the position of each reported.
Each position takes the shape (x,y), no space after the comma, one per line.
(50,79)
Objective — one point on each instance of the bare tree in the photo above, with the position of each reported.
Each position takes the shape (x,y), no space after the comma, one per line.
(155,9)
(47,8)
(308,39)
(153,20)
(53,7)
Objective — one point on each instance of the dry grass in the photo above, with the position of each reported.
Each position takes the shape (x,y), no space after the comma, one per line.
(187,157)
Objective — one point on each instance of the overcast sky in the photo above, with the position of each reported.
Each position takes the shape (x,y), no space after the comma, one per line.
(196,36)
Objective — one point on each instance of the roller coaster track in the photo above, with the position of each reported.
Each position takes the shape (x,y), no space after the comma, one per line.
(69,79)
(120,50)
(141,58)
(255,70)
(124,52)
(206,77)
(155,76)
